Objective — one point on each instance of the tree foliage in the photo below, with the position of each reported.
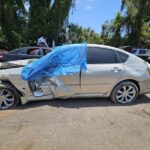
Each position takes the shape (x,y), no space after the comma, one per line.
(131,27)
(49,18)
(138,13)
(44,18)
(78,34)
(12,21)
(112,31)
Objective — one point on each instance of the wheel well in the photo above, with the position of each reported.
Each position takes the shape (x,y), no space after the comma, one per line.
(9,83)
(134,81)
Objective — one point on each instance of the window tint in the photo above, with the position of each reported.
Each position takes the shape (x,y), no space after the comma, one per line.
(100,56)
(121,57)
(24,51)
(16,51)
(134,51)
(142,51)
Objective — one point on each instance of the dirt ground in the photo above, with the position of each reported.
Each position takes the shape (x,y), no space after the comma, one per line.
(77,124)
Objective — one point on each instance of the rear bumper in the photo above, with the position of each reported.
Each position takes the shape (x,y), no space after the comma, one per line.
(145,87)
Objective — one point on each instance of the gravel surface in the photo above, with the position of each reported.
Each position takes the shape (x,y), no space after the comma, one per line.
(77,124)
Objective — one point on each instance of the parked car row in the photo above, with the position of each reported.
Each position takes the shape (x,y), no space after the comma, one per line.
(111,72)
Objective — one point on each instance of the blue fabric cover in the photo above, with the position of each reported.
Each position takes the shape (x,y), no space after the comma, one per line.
(63,60)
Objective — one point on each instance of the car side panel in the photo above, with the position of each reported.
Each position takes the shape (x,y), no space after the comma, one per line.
(72,82)
(100,78)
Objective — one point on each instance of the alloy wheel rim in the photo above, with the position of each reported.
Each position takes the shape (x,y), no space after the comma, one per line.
(6,99)
(126,94)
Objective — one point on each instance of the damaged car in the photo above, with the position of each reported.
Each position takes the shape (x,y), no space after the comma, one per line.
(75,71)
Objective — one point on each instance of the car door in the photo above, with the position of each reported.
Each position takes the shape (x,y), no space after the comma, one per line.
(103,71)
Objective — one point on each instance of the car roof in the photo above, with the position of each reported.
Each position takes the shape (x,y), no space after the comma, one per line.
(102,46)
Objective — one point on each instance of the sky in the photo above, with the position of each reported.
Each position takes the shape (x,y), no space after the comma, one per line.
(93,13)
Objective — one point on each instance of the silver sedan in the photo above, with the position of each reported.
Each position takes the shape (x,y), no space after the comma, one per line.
(111,72)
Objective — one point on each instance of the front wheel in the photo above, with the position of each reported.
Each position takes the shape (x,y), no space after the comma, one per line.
(9,97)
(124,93)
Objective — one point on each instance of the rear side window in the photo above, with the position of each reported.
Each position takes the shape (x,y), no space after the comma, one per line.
(100,56)
(121,57)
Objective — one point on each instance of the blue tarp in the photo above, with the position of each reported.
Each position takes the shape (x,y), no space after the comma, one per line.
(63,60)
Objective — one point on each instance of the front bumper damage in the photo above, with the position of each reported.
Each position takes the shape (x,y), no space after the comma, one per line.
(50,86)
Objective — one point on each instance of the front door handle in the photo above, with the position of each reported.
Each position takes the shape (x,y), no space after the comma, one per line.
(116,69)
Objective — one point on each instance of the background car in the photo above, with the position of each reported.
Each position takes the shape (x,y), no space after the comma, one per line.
(142,53)
(25,53)
(111,72)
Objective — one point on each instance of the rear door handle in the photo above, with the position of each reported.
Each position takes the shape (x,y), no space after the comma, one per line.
(116,69)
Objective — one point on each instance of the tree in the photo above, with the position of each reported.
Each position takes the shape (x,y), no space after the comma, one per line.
(106,32)
(2,39)
(12,14)
(138,12)
(145,36)
(38,19)
(112,31)
(131,27)
(78,34)
(47,17)
(117,27)
(44,18)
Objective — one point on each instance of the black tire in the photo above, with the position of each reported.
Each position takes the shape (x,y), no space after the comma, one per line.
(14,94)
(117,90)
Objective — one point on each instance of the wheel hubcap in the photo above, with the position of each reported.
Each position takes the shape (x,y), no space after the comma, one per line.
(6,99)
(126,94)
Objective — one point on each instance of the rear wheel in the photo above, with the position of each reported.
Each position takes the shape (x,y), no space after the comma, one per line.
(9,97)
(124,93)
